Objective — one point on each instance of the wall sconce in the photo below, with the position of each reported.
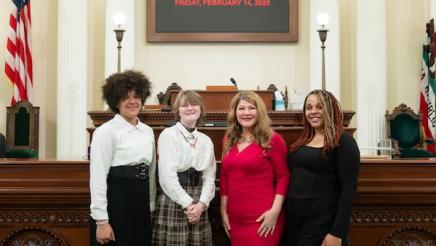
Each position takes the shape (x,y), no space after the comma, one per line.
(119,20)
(323,20)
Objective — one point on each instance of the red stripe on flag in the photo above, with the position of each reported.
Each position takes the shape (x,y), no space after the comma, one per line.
(20,51)
(13,22)
(10,46)
(21,89)
(10,73)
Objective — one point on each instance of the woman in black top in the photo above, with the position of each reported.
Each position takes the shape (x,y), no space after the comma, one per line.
(324,162)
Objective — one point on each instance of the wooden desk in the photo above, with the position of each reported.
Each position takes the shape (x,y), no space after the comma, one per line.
(49,200)
(219,101)
(395,203)
(157,118)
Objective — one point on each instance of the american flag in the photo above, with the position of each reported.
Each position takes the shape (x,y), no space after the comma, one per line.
(18,65)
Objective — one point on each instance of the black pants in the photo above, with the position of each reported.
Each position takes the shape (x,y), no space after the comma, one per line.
(129,212)
(308,221)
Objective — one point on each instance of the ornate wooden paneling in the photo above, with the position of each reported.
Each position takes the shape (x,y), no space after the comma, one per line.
(44,202)
(47,203)
(26,236)
(395,203)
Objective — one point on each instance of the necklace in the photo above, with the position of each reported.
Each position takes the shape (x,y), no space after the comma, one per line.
(190,138)
(246,139)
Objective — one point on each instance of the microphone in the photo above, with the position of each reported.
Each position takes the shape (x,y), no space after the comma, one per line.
(233,82)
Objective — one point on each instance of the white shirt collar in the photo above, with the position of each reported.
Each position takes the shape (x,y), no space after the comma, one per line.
(125,124)
(184,131)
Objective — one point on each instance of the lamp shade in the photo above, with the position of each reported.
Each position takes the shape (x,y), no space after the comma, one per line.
(323,18)
(119,18)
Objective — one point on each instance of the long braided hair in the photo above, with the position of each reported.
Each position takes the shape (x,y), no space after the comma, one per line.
(333,123)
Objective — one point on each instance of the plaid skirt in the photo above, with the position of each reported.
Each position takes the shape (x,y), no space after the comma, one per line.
(171,226)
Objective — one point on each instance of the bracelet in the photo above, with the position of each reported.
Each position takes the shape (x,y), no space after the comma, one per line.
(101,222)
(204,206)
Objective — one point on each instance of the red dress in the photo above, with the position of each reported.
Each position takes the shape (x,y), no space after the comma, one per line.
(247,179)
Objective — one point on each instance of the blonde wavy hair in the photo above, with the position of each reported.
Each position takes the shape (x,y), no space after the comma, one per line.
(262,131)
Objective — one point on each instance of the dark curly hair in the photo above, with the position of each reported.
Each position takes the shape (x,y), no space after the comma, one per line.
(118,86)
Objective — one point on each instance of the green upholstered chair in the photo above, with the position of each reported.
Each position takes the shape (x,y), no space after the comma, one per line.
(22,130)
(404,128)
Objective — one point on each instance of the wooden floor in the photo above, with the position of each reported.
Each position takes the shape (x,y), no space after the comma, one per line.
(47,203)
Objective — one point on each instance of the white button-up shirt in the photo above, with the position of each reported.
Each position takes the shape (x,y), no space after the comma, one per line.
(177,155)
(119,143)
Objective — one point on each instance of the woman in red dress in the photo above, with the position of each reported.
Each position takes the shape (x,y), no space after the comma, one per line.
(254,176)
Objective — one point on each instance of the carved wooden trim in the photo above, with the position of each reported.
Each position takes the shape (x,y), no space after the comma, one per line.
(41,217)
(272,87)
(40,236)
(164,98)
(410,235)
(403,108)
(156,118)
(393,216)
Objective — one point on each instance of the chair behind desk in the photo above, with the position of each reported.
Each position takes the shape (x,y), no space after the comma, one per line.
(404,127)
(22,131)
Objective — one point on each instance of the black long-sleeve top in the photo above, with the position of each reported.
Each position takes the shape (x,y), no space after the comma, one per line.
(314,176)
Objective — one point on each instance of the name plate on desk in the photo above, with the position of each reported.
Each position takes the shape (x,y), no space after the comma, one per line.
(219,100)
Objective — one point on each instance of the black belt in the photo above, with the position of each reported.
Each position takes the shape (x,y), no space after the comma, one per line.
(129,172)
(190,177)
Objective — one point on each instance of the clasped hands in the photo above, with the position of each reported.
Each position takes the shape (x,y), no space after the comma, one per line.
(193,212)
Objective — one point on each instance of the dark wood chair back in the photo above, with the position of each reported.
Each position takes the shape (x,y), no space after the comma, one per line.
(22,130)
